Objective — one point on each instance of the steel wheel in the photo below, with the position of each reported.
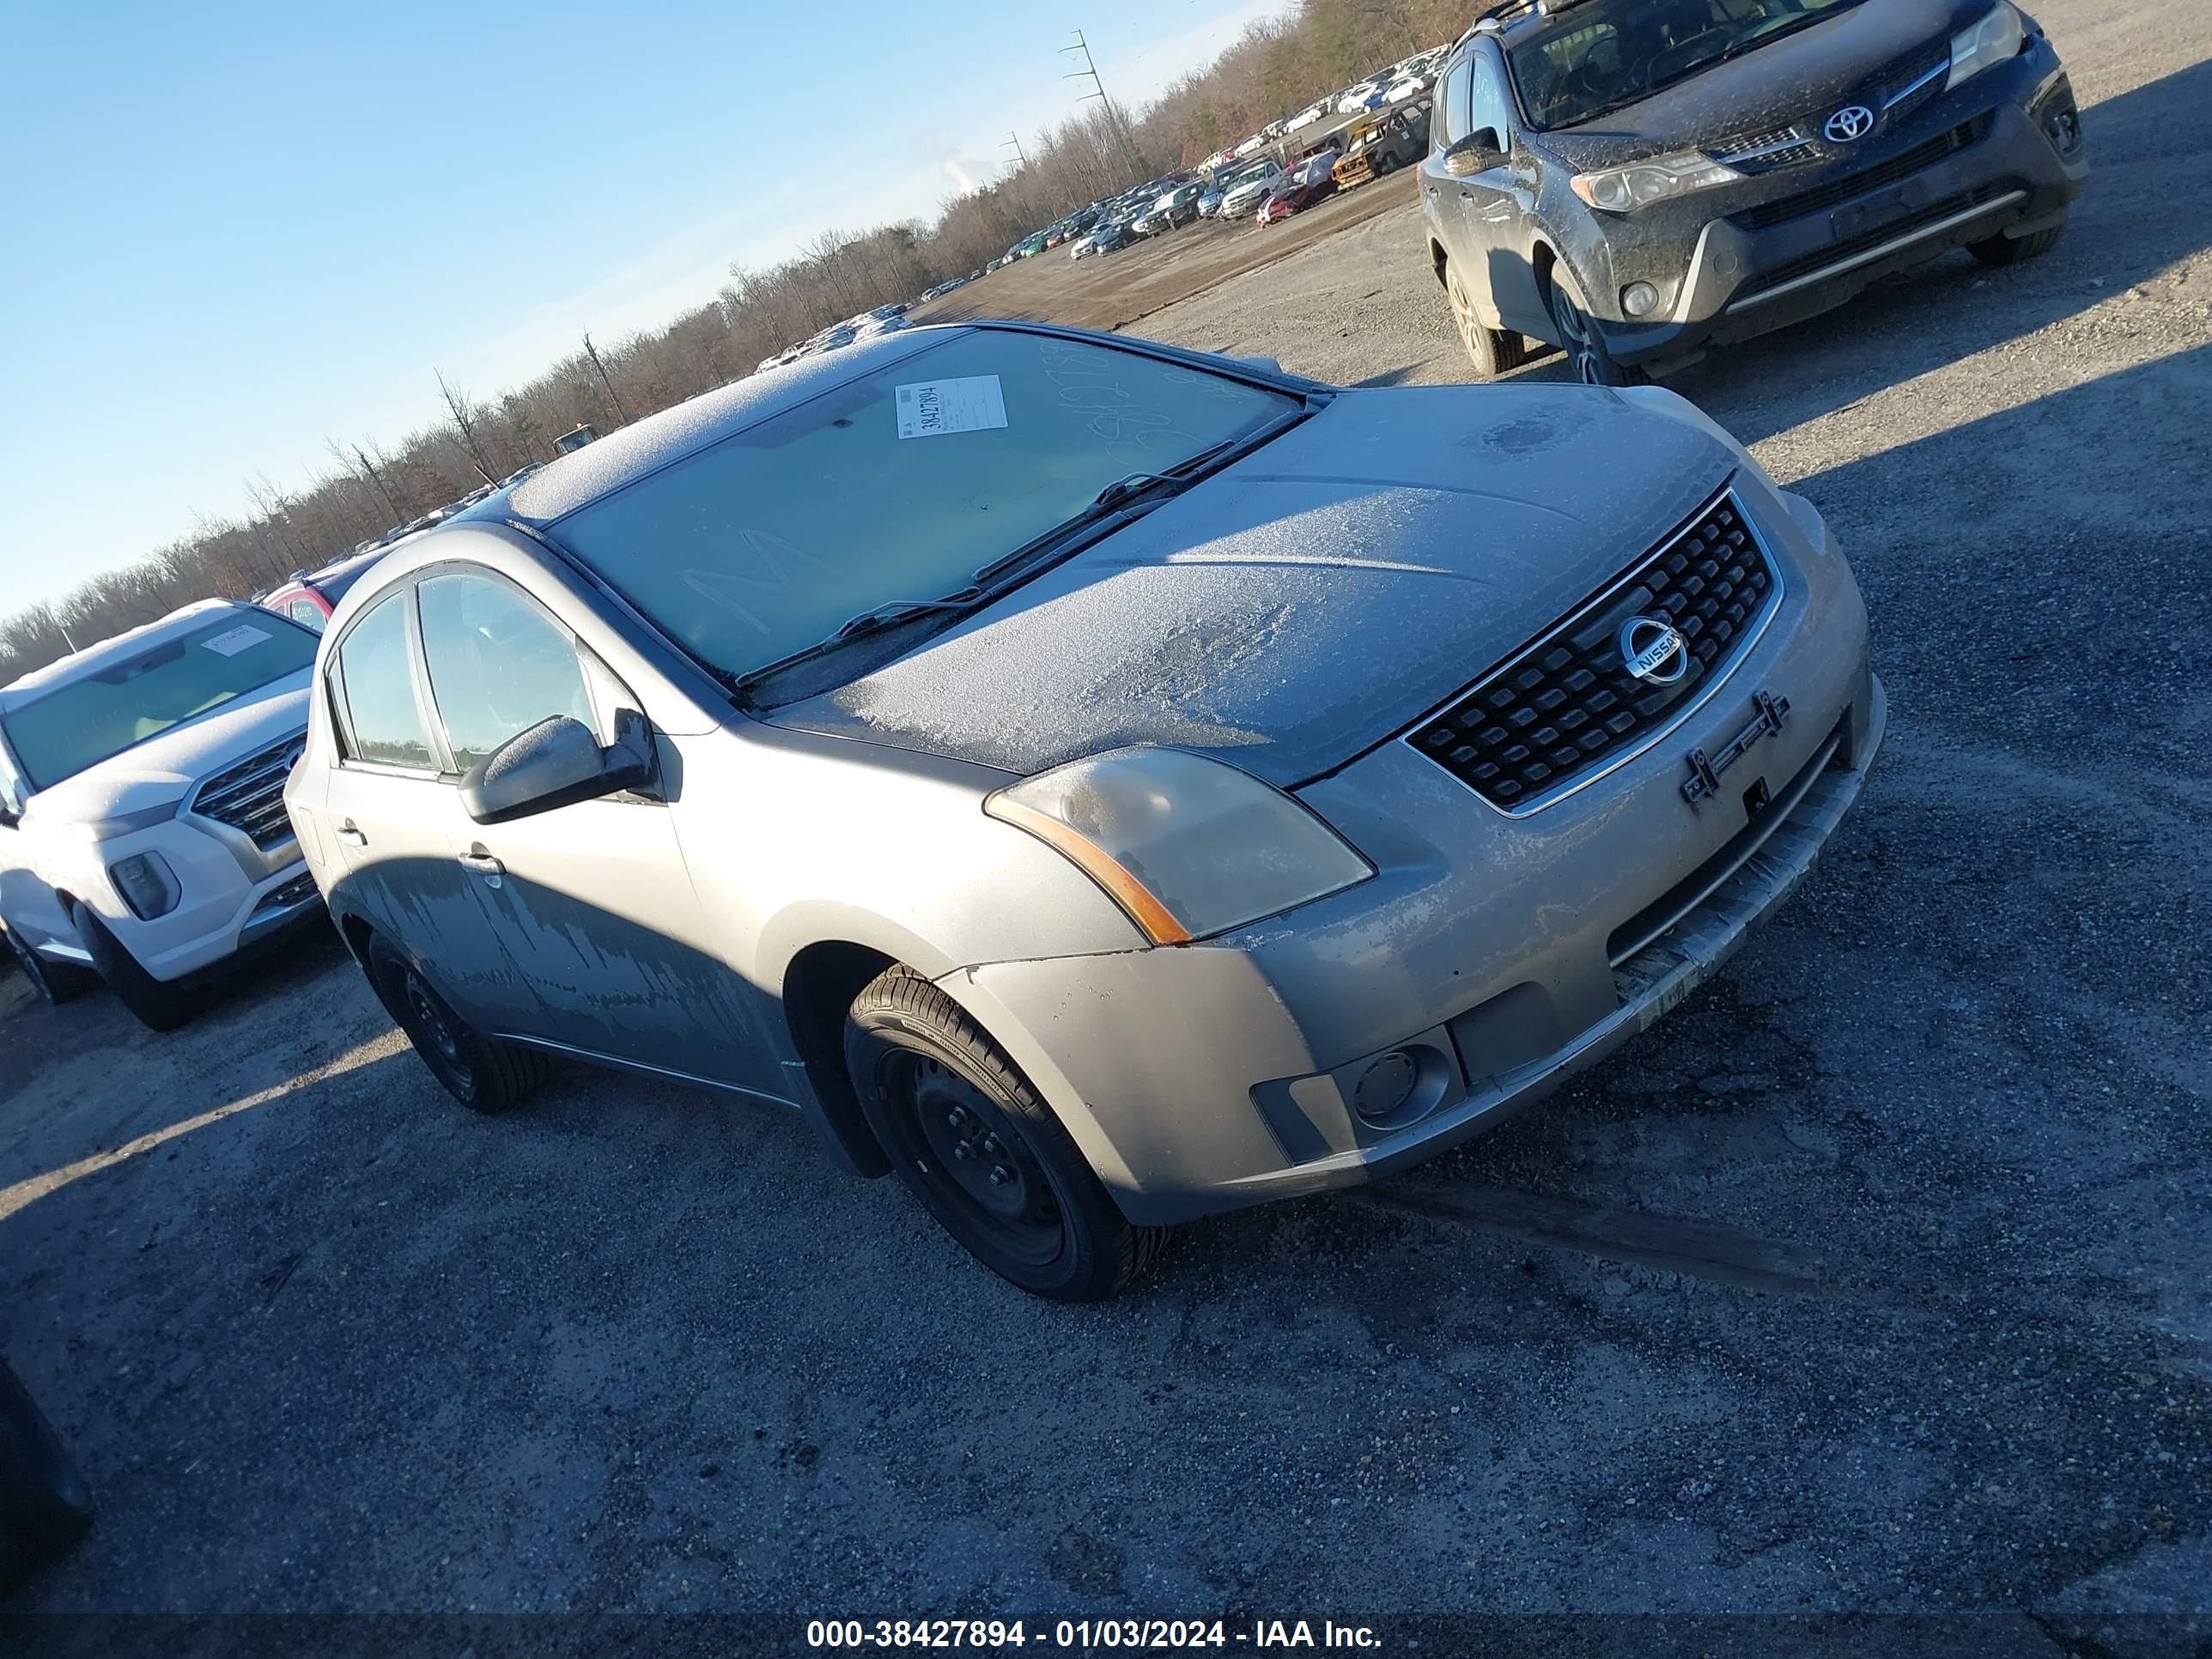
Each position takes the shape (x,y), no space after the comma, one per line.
(980,1161)
(434,1022)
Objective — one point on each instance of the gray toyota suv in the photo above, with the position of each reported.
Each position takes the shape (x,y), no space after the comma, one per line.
(1101,782)
(1636,180)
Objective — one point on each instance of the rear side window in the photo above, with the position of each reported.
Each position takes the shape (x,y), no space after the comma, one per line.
(378,689)
(498,665)
(307,614)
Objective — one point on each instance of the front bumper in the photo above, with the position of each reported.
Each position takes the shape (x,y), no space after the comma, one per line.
(1500,954)
(1744,276)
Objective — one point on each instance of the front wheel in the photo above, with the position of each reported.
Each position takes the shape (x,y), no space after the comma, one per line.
(157,1004)
(973,1141)
(1588,359)
(55,982)
(2016,250)
(483,1074)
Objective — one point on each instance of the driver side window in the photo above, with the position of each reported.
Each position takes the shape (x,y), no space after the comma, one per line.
(1491,107)
(498,665)
(1448,122)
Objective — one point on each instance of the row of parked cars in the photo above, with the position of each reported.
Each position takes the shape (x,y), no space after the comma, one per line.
(825,747)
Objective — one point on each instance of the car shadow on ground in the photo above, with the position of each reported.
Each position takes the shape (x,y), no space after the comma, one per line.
(2123,233)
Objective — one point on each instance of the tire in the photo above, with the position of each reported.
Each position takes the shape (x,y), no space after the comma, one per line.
(56,981)
(45,1506)
(1492,352)
(974,1142)
(484,1075)
(2001,250)
(1588,361)
(156,1004)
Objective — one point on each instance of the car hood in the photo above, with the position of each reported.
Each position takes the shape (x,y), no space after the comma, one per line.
(164,769)
(1817,69)
(1307,602)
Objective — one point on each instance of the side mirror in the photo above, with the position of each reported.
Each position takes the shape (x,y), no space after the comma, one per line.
(557,762)
(1477,152)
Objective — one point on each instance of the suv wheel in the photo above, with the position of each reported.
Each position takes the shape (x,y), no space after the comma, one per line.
(56,981)
(2016,250)
(1494,351)
(1588,361)
(972,1141)
(157,1004)
(484,1075)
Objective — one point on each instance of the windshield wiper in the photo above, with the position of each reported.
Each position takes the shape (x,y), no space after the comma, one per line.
(897,611)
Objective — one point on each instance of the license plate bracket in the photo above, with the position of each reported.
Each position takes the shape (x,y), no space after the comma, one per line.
(1855,218)
(1705,770)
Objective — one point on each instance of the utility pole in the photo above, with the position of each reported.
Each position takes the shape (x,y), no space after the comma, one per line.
(1015,139)
(592,352)
(1090,72)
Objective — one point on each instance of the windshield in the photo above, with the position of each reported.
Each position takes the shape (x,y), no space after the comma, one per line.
(898,486)
(85,721)
(1609,52)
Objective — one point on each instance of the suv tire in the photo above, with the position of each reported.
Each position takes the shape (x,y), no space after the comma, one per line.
(1494,351)
(483,1074)
(1588,359)
(985,1155)
(56,981)
(2016,250)
(158,1005)
(45,1506)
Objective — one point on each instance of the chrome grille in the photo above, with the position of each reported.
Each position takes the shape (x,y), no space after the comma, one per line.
(250,795)
(1768,152)
(1566,703)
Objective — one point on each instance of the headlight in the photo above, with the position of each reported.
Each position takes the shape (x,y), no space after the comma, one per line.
(147,883)
(1623,190)
(1187,845)
(1996,40)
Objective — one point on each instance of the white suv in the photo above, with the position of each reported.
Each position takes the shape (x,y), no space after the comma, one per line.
(142,833)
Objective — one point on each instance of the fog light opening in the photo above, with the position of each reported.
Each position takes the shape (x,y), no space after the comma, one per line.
(1386,1085)
(1639,299)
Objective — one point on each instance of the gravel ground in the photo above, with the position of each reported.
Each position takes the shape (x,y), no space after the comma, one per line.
(1876,1278)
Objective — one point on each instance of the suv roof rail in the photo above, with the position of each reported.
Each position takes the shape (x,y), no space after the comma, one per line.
(1492,17)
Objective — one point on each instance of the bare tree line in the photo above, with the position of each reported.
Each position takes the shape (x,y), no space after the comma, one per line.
(1277,67)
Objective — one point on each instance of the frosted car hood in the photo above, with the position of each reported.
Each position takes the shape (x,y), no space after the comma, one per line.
(1310,600)
(163,768)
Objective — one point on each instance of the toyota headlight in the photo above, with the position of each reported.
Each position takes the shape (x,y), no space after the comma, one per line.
(147,883)
(1996,40)
(1623,190)
(1187,846)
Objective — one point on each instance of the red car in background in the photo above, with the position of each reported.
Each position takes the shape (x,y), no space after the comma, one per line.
(310,597)
(1310,181)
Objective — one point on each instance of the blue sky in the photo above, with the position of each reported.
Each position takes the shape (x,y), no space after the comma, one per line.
(234,230)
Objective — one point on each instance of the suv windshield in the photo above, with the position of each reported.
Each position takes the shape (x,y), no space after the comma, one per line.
(1610,52)
(898,487)
(85,721)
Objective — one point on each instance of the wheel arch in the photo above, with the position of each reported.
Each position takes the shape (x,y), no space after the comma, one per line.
(819,985)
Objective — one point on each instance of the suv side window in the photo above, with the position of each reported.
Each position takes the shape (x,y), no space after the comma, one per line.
(498,664)
(1448,121)
(376,682)
(1491,108)
(307,614)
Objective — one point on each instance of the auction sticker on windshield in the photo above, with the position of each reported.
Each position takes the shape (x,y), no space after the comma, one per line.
(231,640)
(933,409)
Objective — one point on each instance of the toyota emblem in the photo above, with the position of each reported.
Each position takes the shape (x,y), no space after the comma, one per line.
(1849,124)
(1646,643)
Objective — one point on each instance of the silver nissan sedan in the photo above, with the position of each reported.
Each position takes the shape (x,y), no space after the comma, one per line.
(1103,783)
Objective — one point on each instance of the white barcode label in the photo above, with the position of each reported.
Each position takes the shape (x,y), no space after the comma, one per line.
(231,640)
(932,409)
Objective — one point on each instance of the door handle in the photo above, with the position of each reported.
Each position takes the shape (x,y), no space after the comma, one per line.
(483,864)
(350,833)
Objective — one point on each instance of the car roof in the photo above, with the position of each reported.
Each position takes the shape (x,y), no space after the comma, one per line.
(123,646)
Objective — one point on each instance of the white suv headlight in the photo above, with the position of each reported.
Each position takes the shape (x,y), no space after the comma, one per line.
(1187,846)
(1623,190)
(1996,40)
